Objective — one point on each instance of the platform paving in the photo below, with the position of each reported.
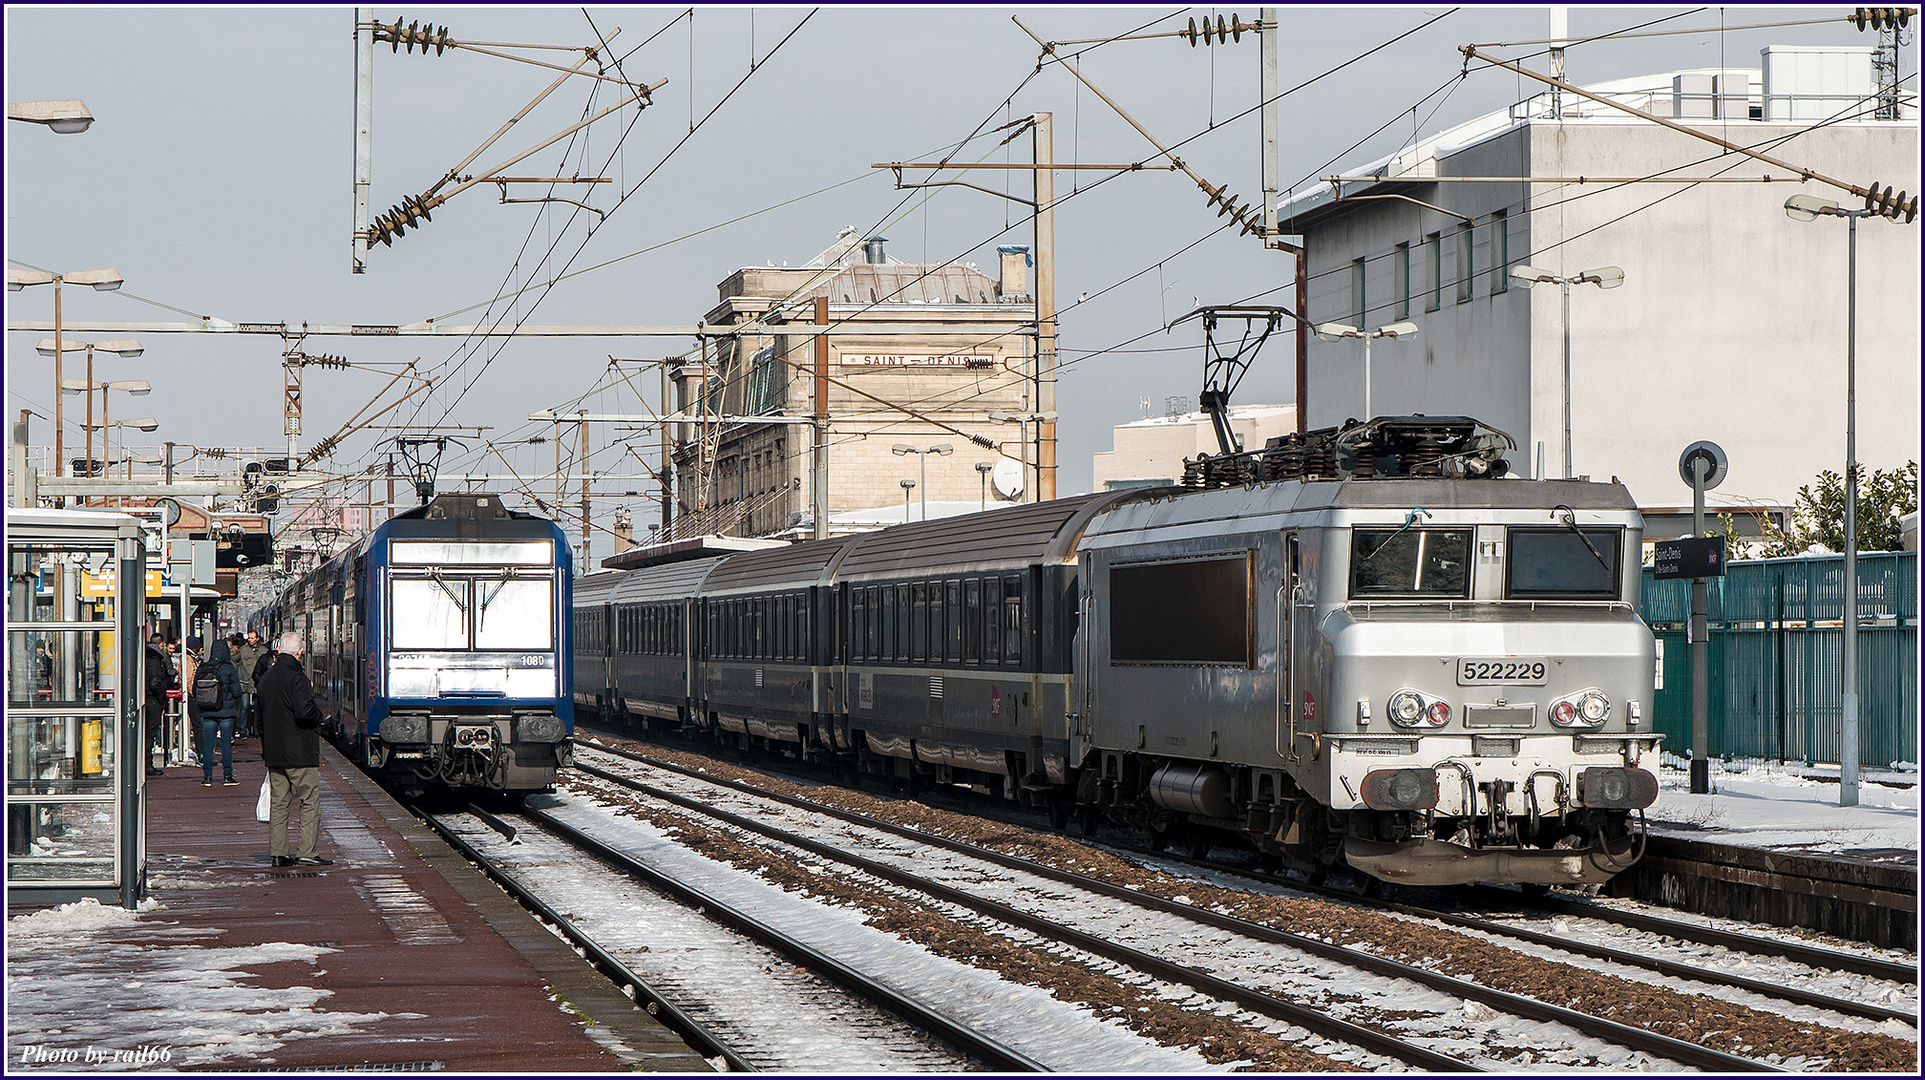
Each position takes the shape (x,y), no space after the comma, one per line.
(398,955)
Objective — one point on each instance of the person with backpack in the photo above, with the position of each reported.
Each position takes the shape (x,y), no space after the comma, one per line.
(217,698)
(160,679)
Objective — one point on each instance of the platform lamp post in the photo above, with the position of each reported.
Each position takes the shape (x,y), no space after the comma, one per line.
(127,348)
(135,387)
(1331,331)
(906,486)
(102,280)
(1810,208)
(923,453)
(68,117)
(983,469)
(1604,277)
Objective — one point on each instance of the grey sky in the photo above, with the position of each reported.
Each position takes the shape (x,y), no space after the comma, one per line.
(217,179)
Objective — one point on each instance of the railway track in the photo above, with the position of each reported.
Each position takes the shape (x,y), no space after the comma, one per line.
(1622,1035)
(826,1005)
(1710,937)
(1552,905)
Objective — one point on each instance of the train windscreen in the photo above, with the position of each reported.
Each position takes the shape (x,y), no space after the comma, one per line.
(1410,563)
(1564,563)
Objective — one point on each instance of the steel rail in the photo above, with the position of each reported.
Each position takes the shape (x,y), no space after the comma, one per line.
(1599,952)
(999,1057)
(1705,935)
(692,1031)
(1311,1019)
(1622,1034)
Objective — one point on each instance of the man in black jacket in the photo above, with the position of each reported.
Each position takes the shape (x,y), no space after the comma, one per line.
(291,748)
(160,679)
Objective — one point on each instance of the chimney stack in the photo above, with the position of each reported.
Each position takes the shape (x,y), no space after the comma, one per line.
(1015,270)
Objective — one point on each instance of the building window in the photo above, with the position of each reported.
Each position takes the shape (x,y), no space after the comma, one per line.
(1401,272)
(1500,251)
(1434,246)
(1464,266)
(1357,301)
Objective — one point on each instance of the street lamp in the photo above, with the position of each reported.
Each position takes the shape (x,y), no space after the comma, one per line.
(128,348)
(104,281)
(135,387)
(983,469)
(906,485)
(64,117)
(1604,277)
(904,448)
(1811,208)
(1331,331)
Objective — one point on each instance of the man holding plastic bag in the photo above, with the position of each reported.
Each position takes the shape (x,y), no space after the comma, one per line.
(291,748)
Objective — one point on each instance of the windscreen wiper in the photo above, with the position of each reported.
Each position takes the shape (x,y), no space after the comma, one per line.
(1570,522)
(1409,520)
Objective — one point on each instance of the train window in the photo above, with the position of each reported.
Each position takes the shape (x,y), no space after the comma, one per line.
(441,552)
(1193,612)
(886,634)
(973,621)
(1013,620)
(1410,562)
(429,614)
(935,622)
(992,621)
(903,613)
(918,622)
(1562,562)
(876,624)
(952,622)
(858,623)
(514,614)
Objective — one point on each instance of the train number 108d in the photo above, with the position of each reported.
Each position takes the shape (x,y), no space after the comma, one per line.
(1501,670)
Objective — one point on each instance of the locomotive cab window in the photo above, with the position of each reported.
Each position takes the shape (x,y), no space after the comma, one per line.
(1563,562)
(1410,563)
(1192,612)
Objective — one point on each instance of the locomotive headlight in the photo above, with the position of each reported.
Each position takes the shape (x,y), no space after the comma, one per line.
(1593,706)
(1406,708)
(1587,708)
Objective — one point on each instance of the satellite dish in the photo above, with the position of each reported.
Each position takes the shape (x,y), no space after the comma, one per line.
(1007,478)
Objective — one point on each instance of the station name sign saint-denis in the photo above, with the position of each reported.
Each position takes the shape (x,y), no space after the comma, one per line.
(962,360)
(1688,557)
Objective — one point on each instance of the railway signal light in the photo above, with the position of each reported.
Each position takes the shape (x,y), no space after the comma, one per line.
(1881,18)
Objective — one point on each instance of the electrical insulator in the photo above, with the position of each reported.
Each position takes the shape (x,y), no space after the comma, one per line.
(414,34)
(398,220)
(1880,18)
(1224,31)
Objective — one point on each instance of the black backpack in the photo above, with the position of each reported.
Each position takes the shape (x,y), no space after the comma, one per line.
(209,694)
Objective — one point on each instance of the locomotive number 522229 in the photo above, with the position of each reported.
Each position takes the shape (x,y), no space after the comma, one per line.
(1501,670)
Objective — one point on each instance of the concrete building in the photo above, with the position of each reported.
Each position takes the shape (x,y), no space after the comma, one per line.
(964,362)
(1730,324)
(1150,452)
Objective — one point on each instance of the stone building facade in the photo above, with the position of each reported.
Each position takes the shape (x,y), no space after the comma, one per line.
(963,362)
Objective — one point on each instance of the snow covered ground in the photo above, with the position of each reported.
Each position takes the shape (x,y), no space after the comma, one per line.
(92,988)
(1777,805)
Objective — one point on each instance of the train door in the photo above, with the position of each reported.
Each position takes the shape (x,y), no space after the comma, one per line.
(1296,709)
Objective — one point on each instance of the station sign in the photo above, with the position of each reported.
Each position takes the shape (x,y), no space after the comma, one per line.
(957,360)
(1688,557)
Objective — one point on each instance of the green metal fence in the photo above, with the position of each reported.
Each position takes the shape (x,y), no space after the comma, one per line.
(1776,658)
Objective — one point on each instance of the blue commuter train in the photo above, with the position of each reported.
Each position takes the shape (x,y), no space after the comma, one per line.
(440,646)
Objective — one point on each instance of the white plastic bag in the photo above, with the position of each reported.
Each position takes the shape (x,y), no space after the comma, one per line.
(260,806)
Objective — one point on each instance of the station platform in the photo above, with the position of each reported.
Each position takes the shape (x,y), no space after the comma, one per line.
(398,957)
